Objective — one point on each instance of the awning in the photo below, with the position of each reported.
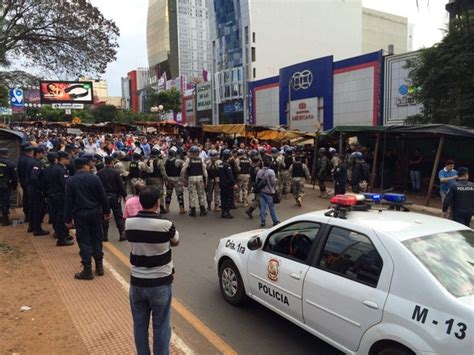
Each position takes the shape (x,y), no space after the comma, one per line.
(433,129)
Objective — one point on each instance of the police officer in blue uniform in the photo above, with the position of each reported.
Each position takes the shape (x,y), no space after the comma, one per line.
(57,194)
(8,183)
(23,163)
(460,198)
(227,184)
(87,203)
(34,171)
(52,158)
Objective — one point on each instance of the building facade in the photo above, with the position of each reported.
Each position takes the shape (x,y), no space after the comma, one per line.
(178,38)
(133,86)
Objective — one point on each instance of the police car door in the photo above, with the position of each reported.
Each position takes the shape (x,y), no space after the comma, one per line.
(276,271)
(347,284)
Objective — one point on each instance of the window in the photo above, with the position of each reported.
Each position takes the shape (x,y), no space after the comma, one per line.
(253,37)
(254,54)
(351,255)
(293,241)
(254,73)
(449,257)
(246,34)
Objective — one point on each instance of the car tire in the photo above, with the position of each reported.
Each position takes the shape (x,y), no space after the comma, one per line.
(394,350)
(231,284)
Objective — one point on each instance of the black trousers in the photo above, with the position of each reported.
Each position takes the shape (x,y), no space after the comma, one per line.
(57,209)
(89,234)
(227,198)
(116,207)
(5,194)
(339,188)
(25,201)
(463,217)
(36,206)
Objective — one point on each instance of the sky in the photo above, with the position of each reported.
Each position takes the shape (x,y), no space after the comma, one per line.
(429,19)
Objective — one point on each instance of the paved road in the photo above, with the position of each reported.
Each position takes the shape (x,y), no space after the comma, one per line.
(250,329)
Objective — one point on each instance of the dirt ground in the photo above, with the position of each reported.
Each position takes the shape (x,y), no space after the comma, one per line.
(47,328)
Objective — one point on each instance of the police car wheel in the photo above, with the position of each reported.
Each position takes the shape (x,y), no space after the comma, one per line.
(231,283)
(393,350)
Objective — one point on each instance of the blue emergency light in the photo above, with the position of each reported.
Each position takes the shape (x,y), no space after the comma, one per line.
(395,198)
(372,196)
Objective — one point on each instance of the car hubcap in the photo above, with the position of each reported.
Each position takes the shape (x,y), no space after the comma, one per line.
(229,282)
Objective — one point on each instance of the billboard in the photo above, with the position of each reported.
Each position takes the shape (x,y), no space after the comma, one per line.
(66,92)
(203,97)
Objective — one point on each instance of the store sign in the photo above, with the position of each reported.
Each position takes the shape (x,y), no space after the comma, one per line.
(304,114)
(302,80)
(406,97)
(233,107)
(68,106)
(16,97)
(66,92)
(203,97)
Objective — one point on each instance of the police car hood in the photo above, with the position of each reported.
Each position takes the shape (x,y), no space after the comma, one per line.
(246,235)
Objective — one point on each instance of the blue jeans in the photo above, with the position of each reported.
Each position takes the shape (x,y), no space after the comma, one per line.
(154,301)
(415,177)
(267,200)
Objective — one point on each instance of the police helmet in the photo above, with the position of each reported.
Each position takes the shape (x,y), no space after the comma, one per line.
(274,150)
(357,155)
(289,151)
(172,153)
(322,151)
(155,152)
(194,149)
(240,152)
(226,154)
(213,153)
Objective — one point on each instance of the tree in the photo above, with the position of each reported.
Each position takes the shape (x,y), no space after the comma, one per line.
(4,97)
(170,99)
(105,113)
(444,77)
(69,37)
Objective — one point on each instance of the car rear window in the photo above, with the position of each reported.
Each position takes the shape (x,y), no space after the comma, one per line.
(449,257)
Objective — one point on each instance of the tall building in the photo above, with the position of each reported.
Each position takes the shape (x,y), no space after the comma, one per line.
(253,39)
(178,38)
(381,29)
(457,7)
(135,82)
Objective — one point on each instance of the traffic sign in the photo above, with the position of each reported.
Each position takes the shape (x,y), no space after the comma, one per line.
(16,97)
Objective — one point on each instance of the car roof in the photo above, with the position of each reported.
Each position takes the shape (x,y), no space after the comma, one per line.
(399,225)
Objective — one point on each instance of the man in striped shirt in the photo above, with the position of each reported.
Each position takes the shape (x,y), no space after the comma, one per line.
(151,238)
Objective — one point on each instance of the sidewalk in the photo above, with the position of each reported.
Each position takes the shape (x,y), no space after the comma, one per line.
(99,308)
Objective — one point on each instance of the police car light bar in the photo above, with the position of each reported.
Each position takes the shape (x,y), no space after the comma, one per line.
(344,200)
(373,197)
(395,198)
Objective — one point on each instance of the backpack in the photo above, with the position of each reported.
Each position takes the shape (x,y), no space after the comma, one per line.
(259,185)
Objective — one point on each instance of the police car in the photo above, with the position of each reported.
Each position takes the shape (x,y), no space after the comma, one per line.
(367,279)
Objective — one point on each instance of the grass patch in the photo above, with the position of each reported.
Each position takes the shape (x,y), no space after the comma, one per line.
(10,250)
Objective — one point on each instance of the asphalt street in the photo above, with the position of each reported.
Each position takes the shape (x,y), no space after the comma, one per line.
(249,329)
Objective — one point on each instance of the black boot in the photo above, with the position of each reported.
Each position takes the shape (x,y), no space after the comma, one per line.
(249,211)
(6,221)
(226,215)
(202,211)
(99,267)
(192,213)
(86,273)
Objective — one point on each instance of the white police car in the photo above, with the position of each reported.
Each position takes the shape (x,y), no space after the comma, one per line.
(367,282)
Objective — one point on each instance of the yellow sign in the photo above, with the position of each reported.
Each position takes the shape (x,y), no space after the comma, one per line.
(76,120)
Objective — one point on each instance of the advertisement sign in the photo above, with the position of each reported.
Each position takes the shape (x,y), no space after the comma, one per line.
(233,107)
(304,115)
(203,97)
(189,109)
(32,96)
(399,102)
(69,106)
(66,92)
(16,97)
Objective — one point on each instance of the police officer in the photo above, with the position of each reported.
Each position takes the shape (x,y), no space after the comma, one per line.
(171,171)
(35,194)
(86,203)
(194,173)
(213,189)
(298,172)
(243,177)
(322,166)
(115,191)
(123,167)
(227,185)
(23,164)
(339,174)
(155,178)
(73,152)
(360,173)
(51,159)
(255,166)
(58,176)
(460,198)
(277,163)
(8,183)
(285,180)
(138,170)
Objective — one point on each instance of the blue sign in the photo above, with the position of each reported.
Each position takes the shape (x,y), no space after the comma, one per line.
(233,107)
(16,98)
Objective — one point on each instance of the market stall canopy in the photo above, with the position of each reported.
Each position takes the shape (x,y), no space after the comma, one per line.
(433,129)
(225,128)
(354,129)
(259,132)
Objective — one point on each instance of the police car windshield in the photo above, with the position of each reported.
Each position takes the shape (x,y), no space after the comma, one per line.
(449,257)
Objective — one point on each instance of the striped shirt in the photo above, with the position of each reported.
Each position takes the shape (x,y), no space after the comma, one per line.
(149,236)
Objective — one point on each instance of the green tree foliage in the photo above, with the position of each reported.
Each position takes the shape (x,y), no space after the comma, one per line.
(45,113)
(85,115)
(4,97)
(105,113)
(444,77)
(64,37)
(170,99)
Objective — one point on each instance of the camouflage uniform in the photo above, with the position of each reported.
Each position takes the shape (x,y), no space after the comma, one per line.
(171,171)
(195,173)
(155,177)
(138,173)
(285,180)
(213,189)
(299,172)
(243,165)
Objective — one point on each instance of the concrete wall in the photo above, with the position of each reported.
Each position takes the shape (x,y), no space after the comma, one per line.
(379,29)
(293,31)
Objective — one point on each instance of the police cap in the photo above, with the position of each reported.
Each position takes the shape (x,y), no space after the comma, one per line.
(28,148)
(38,150)
(81,162)
(108,160)
(63,155)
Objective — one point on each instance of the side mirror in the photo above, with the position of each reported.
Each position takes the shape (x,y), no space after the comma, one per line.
(254,243)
